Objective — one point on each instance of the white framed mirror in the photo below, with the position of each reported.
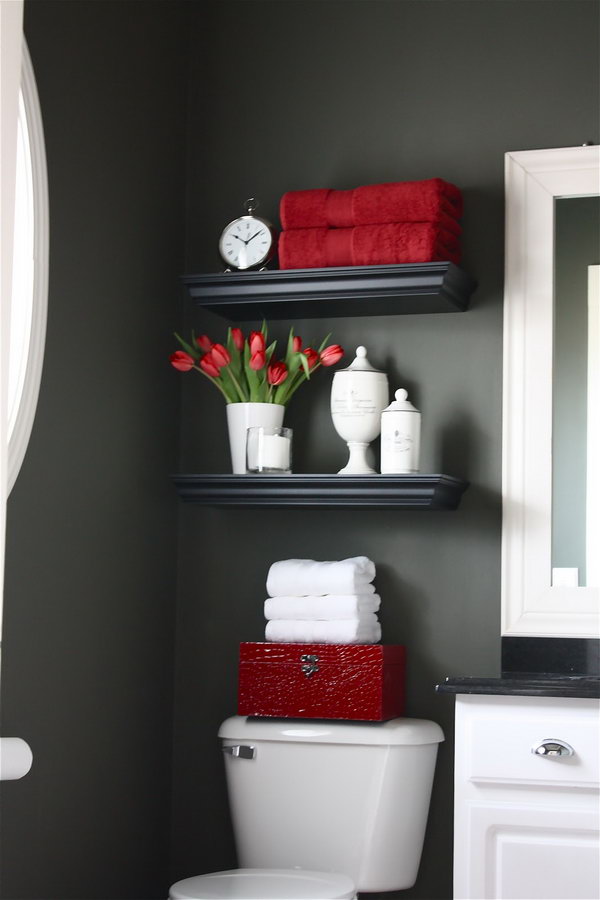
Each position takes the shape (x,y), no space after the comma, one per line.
(550,480)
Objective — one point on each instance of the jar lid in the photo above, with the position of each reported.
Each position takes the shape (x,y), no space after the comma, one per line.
(401,403)
(360,363)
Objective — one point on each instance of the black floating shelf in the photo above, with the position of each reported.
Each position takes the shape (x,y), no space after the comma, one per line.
(438,287)
(323,491)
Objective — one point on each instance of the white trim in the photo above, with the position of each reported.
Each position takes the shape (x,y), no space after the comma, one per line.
(530,606)
(11,32)
(33,360)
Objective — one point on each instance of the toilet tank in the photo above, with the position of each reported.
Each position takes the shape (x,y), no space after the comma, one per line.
(331,796)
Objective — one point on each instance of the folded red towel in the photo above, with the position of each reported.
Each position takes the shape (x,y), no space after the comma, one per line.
(366,245)
(432,200)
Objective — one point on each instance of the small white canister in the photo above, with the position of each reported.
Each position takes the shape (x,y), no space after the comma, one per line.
(400,436)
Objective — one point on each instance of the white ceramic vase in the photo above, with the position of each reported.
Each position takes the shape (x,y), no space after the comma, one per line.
(241,417)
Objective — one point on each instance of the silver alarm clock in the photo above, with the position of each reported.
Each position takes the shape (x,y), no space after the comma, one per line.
(248,242)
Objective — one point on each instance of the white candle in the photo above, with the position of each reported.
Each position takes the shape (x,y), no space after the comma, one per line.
(274,452)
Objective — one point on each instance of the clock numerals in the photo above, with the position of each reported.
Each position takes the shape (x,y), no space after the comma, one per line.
(246,243)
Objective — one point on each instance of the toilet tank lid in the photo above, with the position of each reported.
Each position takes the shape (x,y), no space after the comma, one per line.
(395,732)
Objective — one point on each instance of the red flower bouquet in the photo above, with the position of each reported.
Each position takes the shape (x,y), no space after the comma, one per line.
(246,369)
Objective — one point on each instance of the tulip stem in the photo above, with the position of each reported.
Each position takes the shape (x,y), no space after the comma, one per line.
(214,381)
(293,386)
(242,396)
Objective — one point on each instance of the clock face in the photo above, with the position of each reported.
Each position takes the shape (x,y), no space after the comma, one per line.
(246,242)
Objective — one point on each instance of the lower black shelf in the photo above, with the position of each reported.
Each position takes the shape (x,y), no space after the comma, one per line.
(323,491)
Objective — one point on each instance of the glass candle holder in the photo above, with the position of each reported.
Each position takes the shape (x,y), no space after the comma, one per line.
(269,450)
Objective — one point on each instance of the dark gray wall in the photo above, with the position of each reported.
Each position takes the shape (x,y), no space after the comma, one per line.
(336,94)
(283,95)
(90,559)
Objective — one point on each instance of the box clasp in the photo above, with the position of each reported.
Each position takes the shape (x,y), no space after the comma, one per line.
(309,663)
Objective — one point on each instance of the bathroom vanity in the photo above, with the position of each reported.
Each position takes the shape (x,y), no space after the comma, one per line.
(526,802)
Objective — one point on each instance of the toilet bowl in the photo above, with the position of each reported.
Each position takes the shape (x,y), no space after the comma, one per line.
(264,884)
(322,809)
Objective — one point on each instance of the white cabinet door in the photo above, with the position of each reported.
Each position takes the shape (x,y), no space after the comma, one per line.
(521,853)
(525,827)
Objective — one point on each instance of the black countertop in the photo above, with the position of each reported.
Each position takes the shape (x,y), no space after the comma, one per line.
(525,685)
(538,667)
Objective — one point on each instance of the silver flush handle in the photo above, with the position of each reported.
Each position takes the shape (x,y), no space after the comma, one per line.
(244,751)
(553,747)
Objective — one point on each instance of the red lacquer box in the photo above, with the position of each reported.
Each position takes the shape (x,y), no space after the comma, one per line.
(322,681)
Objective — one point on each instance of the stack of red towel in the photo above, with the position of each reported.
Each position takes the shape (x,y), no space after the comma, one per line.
(379,224)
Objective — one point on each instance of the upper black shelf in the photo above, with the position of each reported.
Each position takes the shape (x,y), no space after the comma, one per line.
(436,287)
(323,491)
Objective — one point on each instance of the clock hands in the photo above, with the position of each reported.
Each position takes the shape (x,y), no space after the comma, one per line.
(256,233)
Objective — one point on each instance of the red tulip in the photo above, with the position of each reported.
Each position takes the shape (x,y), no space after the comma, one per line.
(182,361)
(238,338)
(332,354)
(312,357)
(220,355)
(257,343)
(277,373)
(258,360)
(204,342)
(297,344)
(207,365)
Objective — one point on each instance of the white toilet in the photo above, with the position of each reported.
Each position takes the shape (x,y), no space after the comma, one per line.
(322,810)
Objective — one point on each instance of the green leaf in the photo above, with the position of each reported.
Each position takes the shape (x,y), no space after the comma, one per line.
(324,342)
(253,382)
(234,386)
(193,351)
(289,349)
(236,362)
(305,366)
(259,388)
(280,394)
(269,351)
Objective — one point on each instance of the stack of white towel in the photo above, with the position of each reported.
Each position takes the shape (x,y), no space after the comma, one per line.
(322,602)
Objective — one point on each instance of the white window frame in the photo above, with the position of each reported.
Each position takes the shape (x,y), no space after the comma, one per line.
(22,405)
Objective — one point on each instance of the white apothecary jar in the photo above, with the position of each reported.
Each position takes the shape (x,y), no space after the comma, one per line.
(400,436)
(359,394)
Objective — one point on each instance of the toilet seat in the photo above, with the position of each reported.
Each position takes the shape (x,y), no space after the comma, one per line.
(264,884)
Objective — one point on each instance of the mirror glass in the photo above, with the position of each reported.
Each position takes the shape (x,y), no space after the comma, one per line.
(575,404)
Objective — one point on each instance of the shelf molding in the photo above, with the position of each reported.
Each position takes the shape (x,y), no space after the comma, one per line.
(433,492)
(411,288)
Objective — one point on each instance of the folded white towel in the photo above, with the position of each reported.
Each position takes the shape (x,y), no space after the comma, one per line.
(326,607)
(342,631)
(307,577)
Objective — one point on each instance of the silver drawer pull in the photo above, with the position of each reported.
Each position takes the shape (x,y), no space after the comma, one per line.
(553,747)
(244,751)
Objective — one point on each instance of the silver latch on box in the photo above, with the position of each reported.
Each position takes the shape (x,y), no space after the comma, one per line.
(309,666)
(244,751)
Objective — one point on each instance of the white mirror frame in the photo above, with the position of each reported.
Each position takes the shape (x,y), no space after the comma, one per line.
(530,606)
